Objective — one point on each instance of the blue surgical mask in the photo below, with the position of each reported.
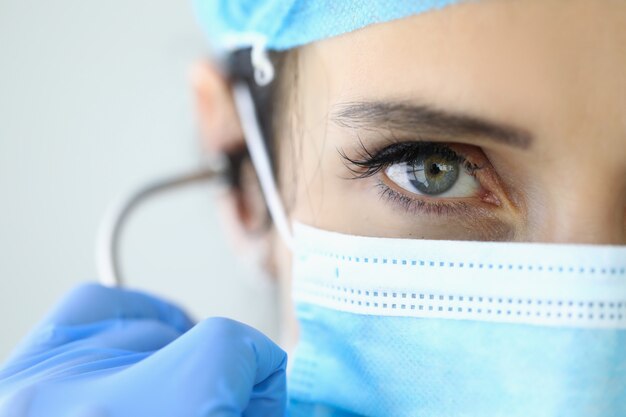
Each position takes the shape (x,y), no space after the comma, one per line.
(400,327)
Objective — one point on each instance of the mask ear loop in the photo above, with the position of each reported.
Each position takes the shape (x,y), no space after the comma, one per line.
(260,159)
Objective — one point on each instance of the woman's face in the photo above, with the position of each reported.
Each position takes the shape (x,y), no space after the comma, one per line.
(490,120)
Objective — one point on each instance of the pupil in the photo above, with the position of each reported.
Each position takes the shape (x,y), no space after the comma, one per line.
(434,169)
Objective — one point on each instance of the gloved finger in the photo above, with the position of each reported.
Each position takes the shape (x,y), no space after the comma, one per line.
(94,342)
(216,368)
(131,335)
(89,303)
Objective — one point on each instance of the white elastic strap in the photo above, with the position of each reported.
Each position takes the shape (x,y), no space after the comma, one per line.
(260,159)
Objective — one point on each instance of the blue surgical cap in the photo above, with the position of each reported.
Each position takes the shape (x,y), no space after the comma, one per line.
(284,24)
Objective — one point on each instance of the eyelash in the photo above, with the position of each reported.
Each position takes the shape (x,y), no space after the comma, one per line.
(369,163)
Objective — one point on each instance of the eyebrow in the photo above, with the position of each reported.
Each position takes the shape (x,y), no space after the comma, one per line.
(425,120)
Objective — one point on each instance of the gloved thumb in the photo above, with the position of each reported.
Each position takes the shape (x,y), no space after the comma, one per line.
(219,368)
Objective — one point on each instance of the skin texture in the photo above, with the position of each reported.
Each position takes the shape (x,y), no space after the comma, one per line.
(549,68)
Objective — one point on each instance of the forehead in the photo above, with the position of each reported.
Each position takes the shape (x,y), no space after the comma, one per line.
(507,60)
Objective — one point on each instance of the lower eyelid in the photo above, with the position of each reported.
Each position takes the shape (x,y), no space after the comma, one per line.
(426,205)
(475,221)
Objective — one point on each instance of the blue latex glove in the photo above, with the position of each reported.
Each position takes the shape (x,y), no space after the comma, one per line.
(110,353)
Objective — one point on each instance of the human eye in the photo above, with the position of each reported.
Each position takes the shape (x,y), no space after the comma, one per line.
(437,171)
(428,176)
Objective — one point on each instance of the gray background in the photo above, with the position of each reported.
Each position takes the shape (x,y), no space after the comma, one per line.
(94,99)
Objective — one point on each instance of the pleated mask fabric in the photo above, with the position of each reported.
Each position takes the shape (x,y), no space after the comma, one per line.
(403,327)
